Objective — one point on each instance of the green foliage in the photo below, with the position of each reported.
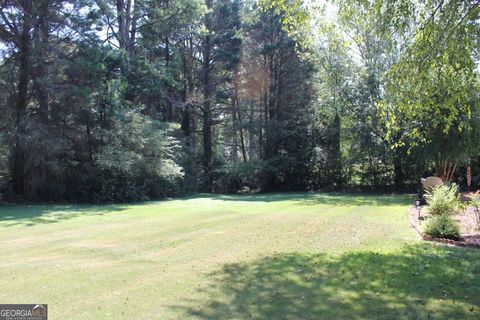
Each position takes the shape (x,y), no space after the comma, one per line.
(433,88)
(295,16)
(109,99)
(137,144)
(349,93)
(138,156)
(443,226)
(244,176)
(443,200)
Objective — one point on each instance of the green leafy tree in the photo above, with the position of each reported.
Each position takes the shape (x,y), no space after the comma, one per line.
(433,88)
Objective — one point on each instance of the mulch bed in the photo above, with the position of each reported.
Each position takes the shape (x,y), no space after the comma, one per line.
(470,234)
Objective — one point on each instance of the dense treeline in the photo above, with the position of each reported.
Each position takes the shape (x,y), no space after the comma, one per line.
(123,100)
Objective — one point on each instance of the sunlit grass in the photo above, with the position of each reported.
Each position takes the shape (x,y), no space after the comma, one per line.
(299,255)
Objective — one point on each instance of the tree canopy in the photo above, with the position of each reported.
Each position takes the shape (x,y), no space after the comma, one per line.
(123,100)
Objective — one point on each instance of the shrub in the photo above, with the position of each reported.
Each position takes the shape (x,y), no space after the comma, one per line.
(443,200)
(241,176)
(138,159)
(443,226)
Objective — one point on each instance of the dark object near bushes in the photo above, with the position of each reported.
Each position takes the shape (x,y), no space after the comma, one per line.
(419,200)
(443,226)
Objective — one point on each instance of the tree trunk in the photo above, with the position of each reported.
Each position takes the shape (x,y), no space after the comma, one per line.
(398,171)
(168,87)
(270,116)
(127,25)
(122,24)
(18,170)
(234,129)
(41,44)
(207,144)
(242,138)
(336,154)
(446,169)
(207,101)
(133,28)
(188,125)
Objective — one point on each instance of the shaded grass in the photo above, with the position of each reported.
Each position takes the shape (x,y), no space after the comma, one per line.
(417,282)
(30,215)
(276,256)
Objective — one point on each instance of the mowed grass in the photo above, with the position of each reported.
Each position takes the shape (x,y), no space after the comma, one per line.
(278,256)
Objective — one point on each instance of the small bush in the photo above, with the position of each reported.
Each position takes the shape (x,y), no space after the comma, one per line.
(443,226)
(443,200)
(240,177)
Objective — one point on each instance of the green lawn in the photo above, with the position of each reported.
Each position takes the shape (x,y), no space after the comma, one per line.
(284,256)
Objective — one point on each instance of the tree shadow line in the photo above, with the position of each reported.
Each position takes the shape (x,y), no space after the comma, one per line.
(360,285)
(30,215)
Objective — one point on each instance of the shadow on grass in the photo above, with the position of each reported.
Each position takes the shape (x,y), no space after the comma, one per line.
(30,215)
(419,282)
(312,198)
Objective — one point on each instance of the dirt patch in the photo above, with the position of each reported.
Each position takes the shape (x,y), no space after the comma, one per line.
(469,230)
